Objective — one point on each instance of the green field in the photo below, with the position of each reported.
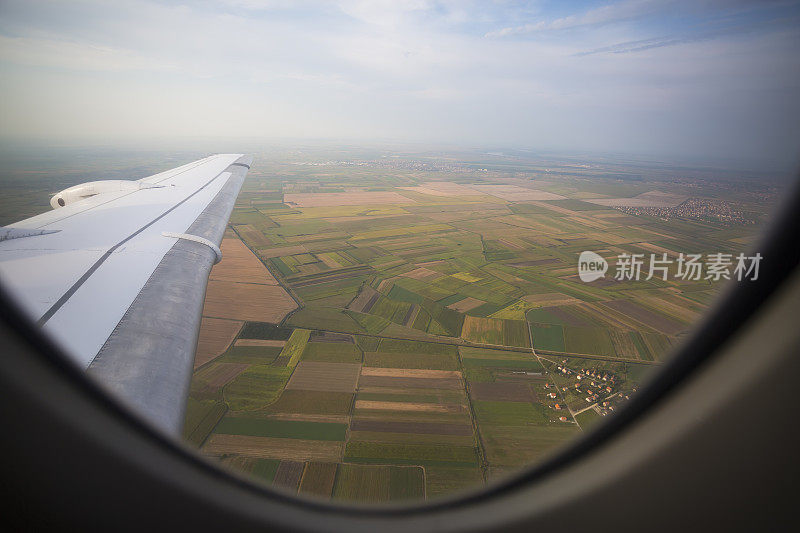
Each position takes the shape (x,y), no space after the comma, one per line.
(256,387)
(250,354)
(548,337)
(519,446)
(312,402)
(406,483)
(445,481)
(531,365)
(369,452)
(332,352)
(202,417)
(265,469)
(509,413)
(365,483)
(588,418)
(588,341)
(396,346)
(263,330)
(325,318)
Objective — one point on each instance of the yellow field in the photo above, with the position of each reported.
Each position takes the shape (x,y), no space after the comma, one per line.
(377,234)
(466,276)
(515,311)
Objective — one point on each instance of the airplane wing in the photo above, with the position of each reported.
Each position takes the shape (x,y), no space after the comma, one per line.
(117,272)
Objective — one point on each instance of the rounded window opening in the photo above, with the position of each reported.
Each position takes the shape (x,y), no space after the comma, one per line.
(569,190)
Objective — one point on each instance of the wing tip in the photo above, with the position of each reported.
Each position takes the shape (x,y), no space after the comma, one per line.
(242,159)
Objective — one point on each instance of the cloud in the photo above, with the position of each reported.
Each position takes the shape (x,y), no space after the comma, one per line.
(386,13)
(416,70)
(65,54)
(606,14)
(694,35)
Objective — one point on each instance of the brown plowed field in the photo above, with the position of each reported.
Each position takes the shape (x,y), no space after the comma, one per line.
(272,448)
(514,193)
(443,188)
(647,199)
(501,392)
(568,318)
(240,264)
(215,337)
(468,303)
(247,301)
(410,406)
(422,273)
(327,377)
(363,299)
(223,373)
(423,428)
(259,342)
(647,317)
(410,383)
(252,235)
(318,479)
(409,373)
(288,475)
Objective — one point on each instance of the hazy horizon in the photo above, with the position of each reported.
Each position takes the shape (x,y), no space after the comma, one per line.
(710,81)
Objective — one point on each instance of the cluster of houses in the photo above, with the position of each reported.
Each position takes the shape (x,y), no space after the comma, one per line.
(696,208)
(594,386)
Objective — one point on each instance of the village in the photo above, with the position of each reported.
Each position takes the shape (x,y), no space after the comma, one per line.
(717,211)
(578,390)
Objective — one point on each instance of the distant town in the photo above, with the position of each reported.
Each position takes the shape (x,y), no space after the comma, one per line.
(718,211)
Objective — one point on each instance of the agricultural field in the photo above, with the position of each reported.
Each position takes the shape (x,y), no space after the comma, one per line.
(397,329)
(242,288)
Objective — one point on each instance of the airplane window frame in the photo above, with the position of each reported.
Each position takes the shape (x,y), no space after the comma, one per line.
(733,308)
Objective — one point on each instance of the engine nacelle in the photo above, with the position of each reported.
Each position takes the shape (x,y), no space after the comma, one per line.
(93,188)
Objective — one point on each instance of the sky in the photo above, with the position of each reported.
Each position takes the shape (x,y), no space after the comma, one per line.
(699,78)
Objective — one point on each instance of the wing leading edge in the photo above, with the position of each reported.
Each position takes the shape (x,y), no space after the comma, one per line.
(118,279)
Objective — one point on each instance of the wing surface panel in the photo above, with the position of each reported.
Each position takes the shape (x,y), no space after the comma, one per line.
(80,281)
(148,358)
